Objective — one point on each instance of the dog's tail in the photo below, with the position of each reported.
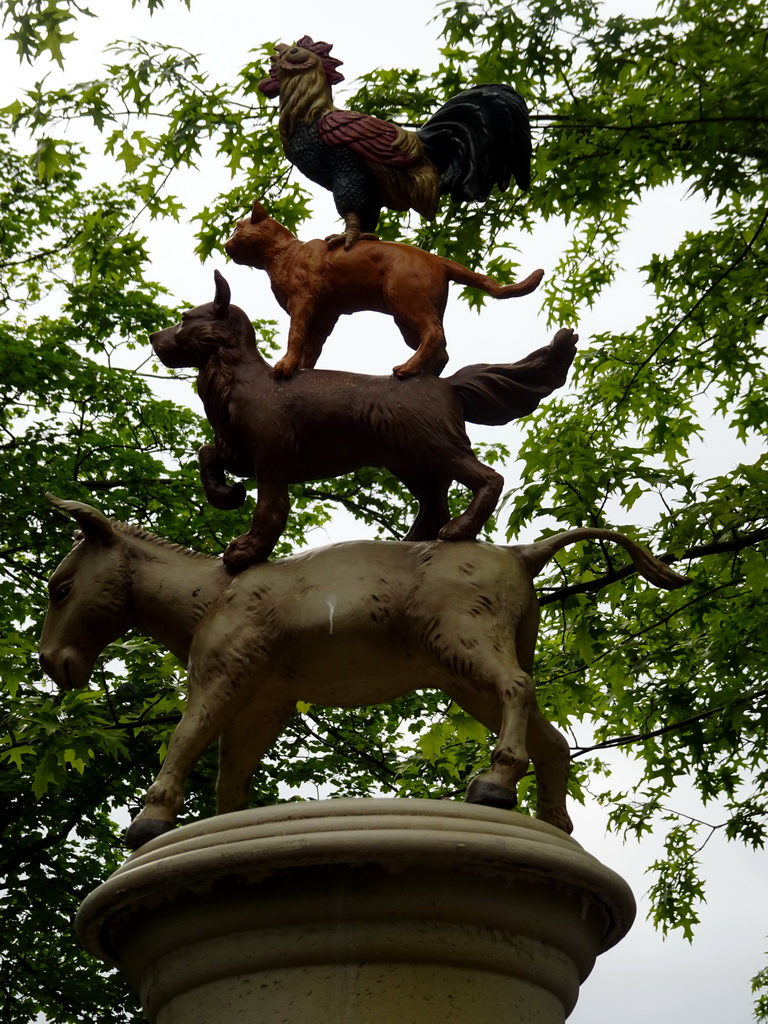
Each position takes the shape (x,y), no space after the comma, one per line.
(497,393)
(461,275)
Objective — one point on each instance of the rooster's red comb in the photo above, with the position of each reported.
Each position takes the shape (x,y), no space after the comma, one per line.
(323,50)
(270,86)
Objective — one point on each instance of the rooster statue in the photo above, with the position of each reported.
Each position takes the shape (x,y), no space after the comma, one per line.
(478,139)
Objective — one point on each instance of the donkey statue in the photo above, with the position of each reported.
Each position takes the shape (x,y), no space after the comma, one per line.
(346,625)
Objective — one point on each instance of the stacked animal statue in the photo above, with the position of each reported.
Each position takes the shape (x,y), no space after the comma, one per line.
(316,286)
(323,423)
(347,625)
(478,139)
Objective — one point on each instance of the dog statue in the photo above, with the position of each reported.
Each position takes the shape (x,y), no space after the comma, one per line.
(322,423)
(316,286)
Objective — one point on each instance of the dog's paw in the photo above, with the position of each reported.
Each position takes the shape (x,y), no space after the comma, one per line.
(227,498)
(457,530)
(243,552)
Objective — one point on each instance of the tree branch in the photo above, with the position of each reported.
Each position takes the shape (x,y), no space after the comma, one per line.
(632,637)
(107,485)
(351,506)
(566,122)
(698,551)
(337,734)
(640,737)
(33,849)
(690,312)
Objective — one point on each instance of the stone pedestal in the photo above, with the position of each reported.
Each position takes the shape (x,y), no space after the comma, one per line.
(358,912)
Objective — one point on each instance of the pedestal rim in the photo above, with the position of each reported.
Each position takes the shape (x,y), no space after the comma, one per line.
(387,832)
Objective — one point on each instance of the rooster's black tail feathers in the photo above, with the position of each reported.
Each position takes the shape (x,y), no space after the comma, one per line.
(478,139)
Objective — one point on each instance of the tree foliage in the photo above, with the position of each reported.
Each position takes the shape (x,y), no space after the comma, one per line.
(622,107)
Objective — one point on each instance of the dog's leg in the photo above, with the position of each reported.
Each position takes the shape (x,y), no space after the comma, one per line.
(485,484)
(217,490)
(269,519)
(432,496)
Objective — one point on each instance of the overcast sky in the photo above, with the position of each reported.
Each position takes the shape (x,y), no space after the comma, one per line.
(644,978)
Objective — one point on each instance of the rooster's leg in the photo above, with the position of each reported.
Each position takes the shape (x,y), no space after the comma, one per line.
(351,234)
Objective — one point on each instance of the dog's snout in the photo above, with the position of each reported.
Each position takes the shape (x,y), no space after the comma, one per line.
(168,350)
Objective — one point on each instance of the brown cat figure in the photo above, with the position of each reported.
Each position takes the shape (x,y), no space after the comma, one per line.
(316,285)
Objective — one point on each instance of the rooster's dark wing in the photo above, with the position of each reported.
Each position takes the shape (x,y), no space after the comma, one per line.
(369,138)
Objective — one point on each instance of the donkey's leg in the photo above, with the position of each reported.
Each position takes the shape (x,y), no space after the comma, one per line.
(509,760)
(269,519)
(204,718)
(551,758)
(241,748)
(485,484)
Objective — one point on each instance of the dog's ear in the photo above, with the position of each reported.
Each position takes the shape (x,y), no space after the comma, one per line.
(222,297)
(258,213)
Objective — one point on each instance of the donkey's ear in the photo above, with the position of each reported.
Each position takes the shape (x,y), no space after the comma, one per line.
(222,297)
(95,526)
(258,213)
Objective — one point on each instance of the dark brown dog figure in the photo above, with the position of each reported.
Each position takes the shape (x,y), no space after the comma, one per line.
(322,423)
(316,285)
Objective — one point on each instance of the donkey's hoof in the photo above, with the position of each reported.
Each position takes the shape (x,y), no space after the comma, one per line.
(142,830)
(490,795)
(559,818)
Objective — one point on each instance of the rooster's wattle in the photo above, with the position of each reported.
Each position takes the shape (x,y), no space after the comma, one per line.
(479,138)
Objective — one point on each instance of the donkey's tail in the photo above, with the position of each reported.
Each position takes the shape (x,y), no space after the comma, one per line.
(462,275)
(535,556)
(497,393)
